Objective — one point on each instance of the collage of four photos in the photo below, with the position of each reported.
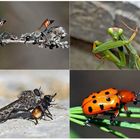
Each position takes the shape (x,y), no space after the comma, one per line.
(69,69)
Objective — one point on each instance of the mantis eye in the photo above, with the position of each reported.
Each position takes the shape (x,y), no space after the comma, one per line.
(115,32)
(120,31)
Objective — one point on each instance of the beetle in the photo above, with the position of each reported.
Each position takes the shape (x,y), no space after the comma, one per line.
(107,100)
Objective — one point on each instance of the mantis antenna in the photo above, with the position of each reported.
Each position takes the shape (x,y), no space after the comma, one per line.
(134,30)
(128,26)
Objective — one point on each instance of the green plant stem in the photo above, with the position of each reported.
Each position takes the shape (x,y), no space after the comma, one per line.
(107,122)
(117,123)
(79,110)
(81,117)
(77,121)
(132,109)
(77,116)
(129,116)
(114,132)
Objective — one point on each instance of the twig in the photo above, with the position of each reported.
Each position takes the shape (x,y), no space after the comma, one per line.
(7,41)
(49,38)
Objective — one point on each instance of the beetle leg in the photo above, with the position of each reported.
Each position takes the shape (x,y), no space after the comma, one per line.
(126,110)
(87,123)
(116,113)
(114,116)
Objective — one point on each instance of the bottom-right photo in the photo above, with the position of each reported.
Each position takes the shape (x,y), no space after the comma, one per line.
(104,104)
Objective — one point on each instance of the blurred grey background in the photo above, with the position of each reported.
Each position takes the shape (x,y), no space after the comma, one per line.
(90,21)
(82,83)
(23,17)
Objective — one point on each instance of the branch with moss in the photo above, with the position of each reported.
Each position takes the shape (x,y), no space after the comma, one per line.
(77,116)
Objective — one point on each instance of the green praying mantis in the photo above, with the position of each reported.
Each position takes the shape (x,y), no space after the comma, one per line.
(123,49)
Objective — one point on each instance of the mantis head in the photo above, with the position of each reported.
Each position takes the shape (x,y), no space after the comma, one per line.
(115,32)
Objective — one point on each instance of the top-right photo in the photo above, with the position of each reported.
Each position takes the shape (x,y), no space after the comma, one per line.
(105,35)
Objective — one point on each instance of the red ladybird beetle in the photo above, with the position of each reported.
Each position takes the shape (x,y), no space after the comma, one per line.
(106,100)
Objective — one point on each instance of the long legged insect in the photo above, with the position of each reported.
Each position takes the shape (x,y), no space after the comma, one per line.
(119,41)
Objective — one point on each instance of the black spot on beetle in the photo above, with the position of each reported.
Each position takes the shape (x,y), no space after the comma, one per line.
(90,109)
(108,99)
(106,93)
(111,108)
(98,92)
(102,107)
(117,104)
(93,96)
(94,101)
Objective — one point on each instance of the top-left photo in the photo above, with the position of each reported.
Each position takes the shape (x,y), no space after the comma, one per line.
(34,35)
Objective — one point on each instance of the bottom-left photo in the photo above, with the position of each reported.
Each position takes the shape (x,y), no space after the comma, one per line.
(34,103)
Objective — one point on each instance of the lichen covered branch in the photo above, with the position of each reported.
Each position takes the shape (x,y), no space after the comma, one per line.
(48,38)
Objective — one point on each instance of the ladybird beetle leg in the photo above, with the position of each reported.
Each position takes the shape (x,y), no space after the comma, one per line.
(112,121)
(87,123)
(116,113)
(126,110)
(135,102)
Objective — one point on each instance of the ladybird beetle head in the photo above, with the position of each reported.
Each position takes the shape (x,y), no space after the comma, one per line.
(115,32)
